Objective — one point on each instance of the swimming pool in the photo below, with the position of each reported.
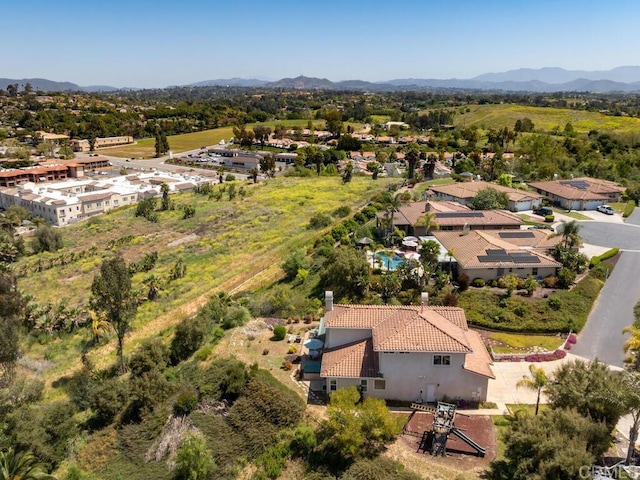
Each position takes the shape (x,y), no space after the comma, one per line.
(390,260)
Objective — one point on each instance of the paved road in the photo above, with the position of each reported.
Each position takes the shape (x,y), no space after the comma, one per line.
(602,337)
(623,236)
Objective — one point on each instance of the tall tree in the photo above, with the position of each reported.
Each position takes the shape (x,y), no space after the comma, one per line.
(537,381)
(164,188)
(412,157)
(12,305)
(112,295)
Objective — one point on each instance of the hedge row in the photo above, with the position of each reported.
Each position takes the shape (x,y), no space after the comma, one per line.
(628,209)
(605,256)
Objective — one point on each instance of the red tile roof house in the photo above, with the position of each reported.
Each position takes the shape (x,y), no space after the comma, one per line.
(405,353)
(582,193)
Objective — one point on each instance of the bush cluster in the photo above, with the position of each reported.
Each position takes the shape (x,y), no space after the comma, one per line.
(605,256)
(628,208)
(546,357)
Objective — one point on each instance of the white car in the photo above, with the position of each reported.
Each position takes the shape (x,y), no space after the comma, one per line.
(606,209)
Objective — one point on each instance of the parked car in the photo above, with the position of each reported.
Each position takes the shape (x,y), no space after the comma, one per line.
(606,209)
(543,211)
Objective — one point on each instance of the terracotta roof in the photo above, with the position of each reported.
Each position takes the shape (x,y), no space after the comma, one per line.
(410,213)
(405,328)
(95,196)
(356,359)
(582,188)
(479,360)
(468,190)
(475,243)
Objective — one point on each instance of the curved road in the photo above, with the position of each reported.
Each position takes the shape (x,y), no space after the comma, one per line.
(602,337)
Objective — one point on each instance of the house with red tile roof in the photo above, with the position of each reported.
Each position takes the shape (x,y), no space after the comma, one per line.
(450,216)
(583,193)
(410,353)
(491,255)
(465,192)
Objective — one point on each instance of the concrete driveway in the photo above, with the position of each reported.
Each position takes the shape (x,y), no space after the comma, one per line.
(503,390)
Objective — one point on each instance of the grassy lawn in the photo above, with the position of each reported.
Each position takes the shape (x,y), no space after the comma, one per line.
(515,343)
(422,186)
(145,147)
(521,407)
(495,116)
(572,214)
(226,244)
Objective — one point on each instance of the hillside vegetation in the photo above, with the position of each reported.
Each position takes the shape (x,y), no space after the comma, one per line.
(226,243)
(545,118)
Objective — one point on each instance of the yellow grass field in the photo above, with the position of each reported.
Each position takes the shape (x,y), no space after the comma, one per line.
(495,116)
(145,147)
(226,244)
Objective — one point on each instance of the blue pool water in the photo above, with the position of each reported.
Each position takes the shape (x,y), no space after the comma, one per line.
(392,261)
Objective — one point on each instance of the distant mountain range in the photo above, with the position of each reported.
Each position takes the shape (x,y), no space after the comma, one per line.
(542,80)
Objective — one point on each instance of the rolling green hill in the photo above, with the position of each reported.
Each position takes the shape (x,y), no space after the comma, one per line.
(497,116)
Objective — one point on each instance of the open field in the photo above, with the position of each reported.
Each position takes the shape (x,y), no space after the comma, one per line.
(190,141)
(494,116)
(226,244)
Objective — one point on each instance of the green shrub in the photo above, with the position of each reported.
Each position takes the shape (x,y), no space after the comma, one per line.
(236,317)
(478,282)
(230,177)
(342,211)
(194,459)
(107,399)
(628,209)
(549,218)
(554,303)
(204,353)
(550,282)
(279,332)
(189,337)
(320,220)
(605,256)
(566,277)
(463,282)
(186,401)
(151,354)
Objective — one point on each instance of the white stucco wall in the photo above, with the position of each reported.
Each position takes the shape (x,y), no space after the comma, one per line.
(495,273)
(340,336)
(407,375)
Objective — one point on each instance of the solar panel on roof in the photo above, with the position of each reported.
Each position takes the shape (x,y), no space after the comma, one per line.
(516,235)
(494,258)
(496,251)
(526,259)
(580,184)
(459,215)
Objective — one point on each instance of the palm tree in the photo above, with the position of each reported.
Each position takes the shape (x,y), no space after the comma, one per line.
(428,221)
(632,344)
(450,254)
(99,325)
(537,382)
(570,236)
(21,466)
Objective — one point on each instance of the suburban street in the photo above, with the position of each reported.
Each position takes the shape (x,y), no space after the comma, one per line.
(602,337)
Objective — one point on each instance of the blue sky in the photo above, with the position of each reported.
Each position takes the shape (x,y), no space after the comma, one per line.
(143,43)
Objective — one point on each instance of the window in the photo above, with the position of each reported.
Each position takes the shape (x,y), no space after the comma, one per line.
(442,360)
(333,385)
(534,271)
(363,385)
(379,384)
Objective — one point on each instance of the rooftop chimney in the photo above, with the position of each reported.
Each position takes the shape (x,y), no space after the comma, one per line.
(427,206)
(424,299)
(328,300)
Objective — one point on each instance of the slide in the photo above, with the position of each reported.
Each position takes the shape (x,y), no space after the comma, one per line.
(481,451)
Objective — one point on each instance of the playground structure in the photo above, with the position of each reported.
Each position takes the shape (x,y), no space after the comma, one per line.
(435,440)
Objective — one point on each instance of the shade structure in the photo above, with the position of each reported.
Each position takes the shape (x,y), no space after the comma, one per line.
(410,239)
(314,344)
(409,243)
(365,241)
